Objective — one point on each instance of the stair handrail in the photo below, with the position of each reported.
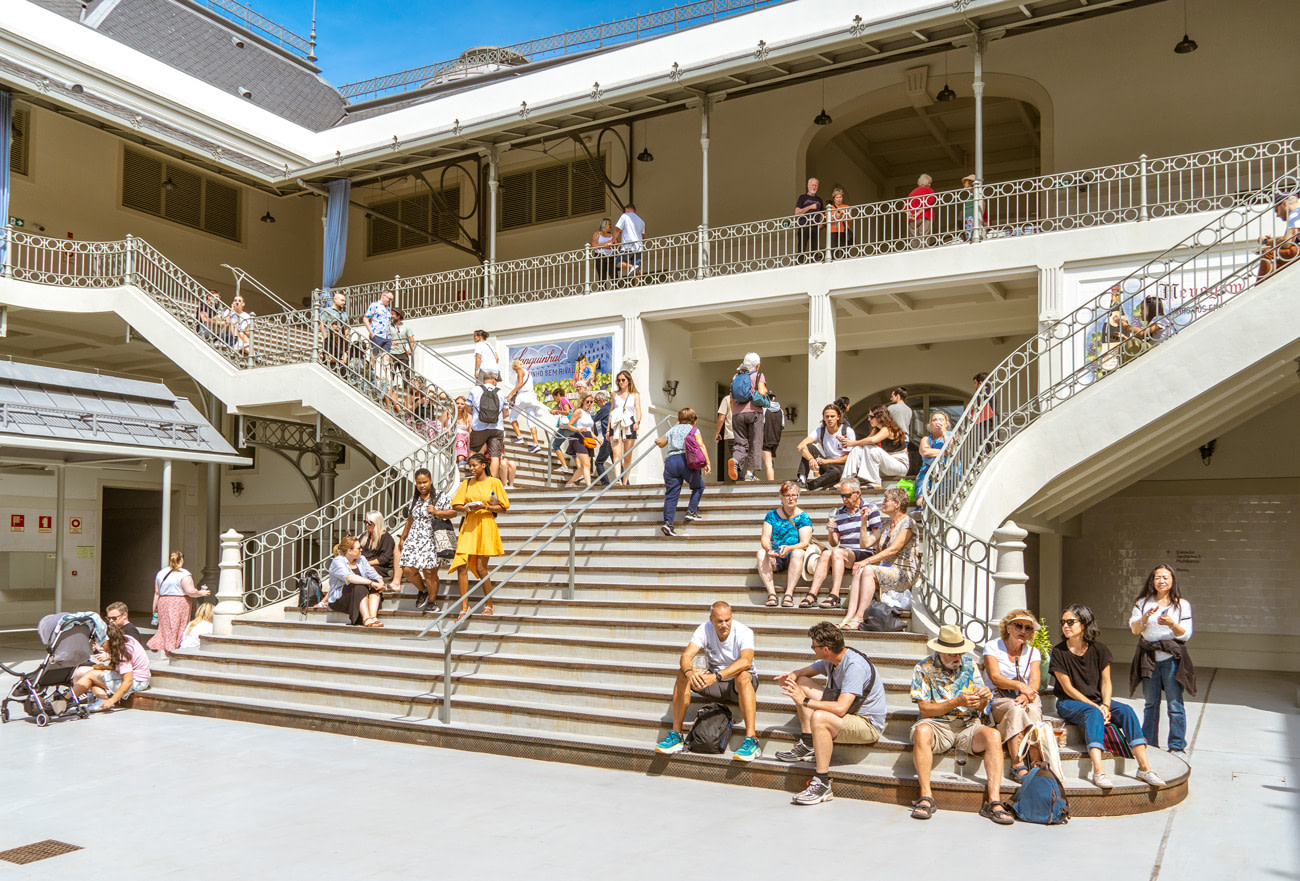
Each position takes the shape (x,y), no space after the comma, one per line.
(244,277)
(956,584)
(448,633)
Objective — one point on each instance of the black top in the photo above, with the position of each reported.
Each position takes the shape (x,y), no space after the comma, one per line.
(600,421)
(381,556)
(812,217)
(130,629)
(1084,670)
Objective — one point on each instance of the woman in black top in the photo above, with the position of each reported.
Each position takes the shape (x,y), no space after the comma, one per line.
(1081,667)
(377,546)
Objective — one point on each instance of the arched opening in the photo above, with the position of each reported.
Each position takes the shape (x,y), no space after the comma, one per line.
(923,399)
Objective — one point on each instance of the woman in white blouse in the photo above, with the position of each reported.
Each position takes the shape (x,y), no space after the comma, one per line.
(1014,669)
(1164,621)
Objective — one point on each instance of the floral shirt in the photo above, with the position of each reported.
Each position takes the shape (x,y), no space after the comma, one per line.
(933,682)
(381,319)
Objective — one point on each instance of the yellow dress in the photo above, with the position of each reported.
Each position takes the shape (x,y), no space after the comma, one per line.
(479,535)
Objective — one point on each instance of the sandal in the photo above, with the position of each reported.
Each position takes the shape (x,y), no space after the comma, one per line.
(850,624)
(924,808)
(808,601)
(997,812)
(772,601)
(832,602)
(787,601)
(1018,772)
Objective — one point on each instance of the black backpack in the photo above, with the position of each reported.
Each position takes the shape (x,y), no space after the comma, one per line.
(309,591)
(489,406)
(880,618)
(712,730)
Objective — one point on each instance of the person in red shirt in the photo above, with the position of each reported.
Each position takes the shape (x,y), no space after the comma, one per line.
(920,213)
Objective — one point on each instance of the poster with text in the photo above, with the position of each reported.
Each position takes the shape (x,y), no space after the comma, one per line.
(559,364)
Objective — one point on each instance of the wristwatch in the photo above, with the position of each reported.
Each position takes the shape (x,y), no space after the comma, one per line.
(806,699)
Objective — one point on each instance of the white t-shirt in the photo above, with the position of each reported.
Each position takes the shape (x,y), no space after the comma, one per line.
(489,356)
(1155,631)
(191,638)
(833,446)
(633,229)
(1013,668)
(584,422)
(723,654)
(1293,220)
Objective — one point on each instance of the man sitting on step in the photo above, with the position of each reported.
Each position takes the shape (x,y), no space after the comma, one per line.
(730,676)
(950,692)
(846,529)
(849,708)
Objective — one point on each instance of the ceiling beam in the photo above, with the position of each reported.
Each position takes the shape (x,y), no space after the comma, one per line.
(854,307)
(737,319)
(904,303)
(996,290)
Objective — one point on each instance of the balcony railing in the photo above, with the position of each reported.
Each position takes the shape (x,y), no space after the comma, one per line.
(1090,197)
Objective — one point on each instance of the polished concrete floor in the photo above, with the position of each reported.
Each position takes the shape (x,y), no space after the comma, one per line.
(151,795)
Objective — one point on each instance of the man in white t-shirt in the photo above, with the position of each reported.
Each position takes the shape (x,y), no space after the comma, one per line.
(729,676)
(629,232)
(485,355)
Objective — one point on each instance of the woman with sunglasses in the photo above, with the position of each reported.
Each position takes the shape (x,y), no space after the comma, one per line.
(1081,667)
(893,563)
(581,424)
(1014,669)
(377,545)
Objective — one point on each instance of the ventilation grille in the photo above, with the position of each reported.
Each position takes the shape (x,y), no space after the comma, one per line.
(553,192)
(41,850)
(19,151)
(192,199)
(435,212)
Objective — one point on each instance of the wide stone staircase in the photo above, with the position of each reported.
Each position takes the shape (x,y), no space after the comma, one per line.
(587,680)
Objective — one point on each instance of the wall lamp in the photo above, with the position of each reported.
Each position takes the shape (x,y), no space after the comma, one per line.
(670,388)
(1207,452)
(237,487)
(792,413)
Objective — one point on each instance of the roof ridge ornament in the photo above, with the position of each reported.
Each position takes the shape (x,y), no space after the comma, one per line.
(676,73)
(523,110)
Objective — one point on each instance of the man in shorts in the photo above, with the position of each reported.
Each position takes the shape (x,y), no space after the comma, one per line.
(950,693)
(730,676)
(845,530)
(488,436)
(848,708)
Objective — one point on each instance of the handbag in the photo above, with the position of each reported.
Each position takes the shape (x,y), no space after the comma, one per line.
(1116,743)
(1040,734)
(589,441)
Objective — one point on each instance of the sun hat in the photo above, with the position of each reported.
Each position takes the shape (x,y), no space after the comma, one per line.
(950,641)
(1026,618)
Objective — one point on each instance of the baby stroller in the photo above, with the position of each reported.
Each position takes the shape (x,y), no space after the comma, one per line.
(46,692)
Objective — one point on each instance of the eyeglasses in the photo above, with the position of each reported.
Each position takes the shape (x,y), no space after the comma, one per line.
(117,617)
(1023,626)
(1069,622)
(370,523)
(848,495)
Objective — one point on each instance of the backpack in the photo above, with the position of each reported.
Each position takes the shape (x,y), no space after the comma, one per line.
(1041,799)
(880,618)
(711,731)
(309,591)
(742,388)
(693,452)
(489,406)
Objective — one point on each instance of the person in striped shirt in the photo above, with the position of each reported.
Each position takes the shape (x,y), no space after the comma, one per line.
(844,534)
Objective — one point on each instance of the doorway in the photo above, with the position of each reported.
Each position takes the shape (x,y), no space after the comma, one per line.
(130,537)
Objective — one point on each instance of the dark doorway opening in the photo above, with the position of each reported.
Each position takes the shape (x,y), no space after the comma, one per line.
(130,537)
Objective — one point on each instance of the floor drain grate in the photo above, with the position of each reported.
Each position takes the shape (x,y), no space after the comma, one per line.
(41,850)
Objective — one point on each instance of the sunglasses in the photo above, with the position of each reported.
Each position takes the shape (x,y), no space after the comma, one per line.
(848,495)
(1023,626)
(1069,622)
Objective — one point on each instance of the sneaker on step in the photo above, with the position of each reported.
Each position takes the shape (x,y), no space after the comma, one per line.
(803,484)
(1151,778)
(732,471)
(421,600)
(693,518)
(667,529)
(750,475)
(796,753)
(1100,780)
(535,448)
(816,793)
(671,744)
(749,750)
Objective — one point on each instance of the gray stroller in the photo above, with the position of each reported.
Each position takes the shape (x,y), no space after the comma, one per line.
(46,692)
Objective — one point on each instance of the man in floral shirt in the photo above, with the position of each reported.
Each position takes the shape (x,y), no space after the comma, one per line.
(950,692)
(379,321)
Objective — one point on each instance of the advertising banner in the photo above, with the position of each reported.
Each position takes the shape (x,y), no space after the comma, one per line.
(561,363)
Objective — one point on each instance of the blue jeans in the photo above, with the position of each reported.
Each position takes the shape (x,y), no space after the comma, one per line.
(675,474)
(1163,678)
(1089,718)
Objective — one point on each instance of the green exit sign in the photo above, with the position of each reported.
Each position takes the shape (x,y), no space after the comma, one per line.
(16,222)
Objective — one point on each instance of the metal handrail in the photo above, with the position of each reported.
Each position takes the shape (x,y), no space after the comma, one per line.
(1103,195)
(243,14)
(242,276)
(1202,272)
(448,634)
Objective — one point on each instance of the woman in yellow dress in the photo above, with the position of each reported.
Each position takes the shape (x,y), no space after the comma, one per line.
(480,498)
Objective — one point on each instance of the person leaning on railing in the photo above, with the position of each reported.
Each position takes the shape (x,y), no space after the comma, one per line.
(837,223)
(602,250)
(1278,252)
(334,333)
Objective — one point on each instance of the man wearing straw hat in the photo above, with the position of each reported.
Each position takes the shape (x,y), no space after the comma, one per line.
(950,693)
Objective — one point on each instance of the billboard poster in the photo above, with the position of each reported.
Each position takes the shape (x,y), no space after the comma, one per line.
(561,363)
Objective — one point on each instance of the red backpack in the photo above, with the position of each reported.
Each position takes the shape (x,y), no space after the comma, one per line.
(694,453)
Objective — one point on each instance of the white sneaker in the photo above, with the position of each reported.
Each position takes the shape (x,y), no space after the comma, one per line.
(1151,778)
(1100,780)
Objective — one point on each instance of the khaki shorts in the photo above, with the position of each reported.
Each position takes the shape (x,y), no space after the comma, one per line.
(857,729)
(949,733)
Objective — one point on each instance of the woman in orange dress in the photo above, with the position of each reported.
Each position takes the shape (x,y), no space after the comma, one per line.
(480,498)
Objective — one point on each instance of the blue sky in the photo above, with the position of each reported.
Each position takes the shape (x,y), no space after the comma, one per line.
(357,39)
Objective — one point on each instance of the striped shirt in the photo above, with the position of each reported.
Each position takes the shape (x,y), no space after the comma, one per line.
(848,524)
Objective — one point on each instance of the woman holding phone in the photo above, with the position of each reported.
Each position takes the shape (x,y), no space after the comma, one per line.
(1163,620)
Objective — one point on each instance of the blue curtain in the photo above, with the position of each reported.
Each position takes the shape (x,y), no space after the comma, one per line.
(6,138)
(336,235)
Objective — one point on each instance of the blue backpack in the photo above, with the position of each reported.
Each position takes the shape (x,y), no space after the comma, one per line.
(742,388)
(1041,799)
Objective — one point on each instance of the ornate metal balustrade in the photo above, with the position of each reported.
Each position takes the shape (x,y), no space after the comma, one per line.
(1195,277)
(1101,196)
(243,14)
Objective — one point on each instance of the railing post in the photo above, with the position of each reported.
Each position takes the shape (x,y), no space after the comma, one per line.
(488,282)
(826,249)
(586,268)
(1143,210)
(702,257)
(977,232)
(6,237)
(230,584)
(1009,578)
(573,549)
(446,679)
(315,327)
(128,276)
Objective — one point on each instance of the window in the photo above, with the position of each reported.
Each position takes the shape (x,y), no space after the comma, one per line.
(19,152)
(436,212)
(553,192)
(175,192)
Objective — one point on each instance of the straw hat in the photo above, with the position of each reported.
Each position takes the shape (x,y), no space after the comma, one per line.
(950,641)
(969,177)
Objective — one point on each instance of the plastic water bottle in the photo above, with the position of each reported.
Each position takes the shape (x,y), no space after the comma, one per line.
(153,622)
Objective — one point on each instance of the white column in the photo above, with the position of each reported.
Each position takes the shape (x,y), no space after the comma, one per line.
(637,362)
(821,356)
(1009,578)
(1051,300)
(60,524)
(493,185)
(230,584)
(705,108)
(166,511)
(978,89)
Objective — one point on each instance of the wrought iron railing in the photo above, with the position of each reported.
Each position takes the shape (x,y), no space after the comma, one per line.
(243,14)
(1195,277)
(626,30)
(1101,196)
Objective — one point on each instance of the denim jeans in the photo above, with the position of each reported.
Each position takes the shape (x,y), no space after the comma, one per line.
(675,474)
(1089,718)
(1163,679)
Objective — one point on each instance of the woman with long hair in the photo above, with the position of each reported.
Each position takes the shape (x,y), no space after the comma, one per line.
(523,401)
(427,539)
(480,497)
(463,416)
(121,669)
(581,423)
(200,626)
(823,453)
(1163,620)
(931,448)
(1014,668)
(893,565)
(1081,667)
(881,454)
(355,587)
(378,546)
(624,421)
(172,588)
(602,249)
